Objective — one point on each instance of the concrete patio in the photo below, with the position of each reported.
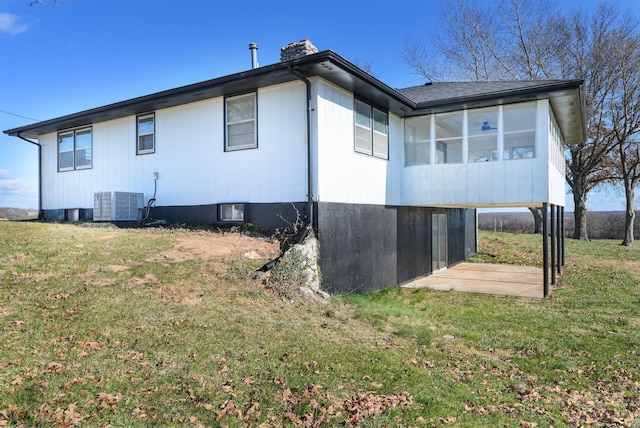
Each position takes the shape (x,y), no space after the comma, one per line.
(498,279)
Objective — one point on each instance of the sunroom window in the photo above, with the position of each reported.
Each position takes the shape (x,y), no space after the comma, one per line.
(75,149)
(483,134)
(241,122)
(417,140)
(519,131)
(449,137)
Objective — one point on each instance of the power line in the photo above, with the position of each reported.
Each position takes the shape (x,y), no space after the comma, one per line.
(18,115)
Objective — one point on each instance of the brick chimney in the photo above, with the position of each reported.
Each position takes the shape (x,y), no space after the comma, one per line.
(297,50)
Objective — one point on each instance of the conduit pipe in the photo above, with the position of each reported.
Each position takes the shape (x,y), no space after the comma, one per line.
(35,143)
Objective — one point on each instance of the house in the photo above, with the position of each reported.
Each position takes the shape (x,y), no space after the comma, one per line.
(390,179)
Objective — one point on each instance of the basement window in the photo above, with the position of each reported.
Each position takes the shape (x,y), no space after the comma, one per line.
(75,149)
(146,134)
(371,130)
(231,213)
(241,123)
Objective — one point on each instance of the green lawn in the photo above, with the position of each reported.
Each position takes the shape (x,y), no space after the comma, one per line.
(96,330)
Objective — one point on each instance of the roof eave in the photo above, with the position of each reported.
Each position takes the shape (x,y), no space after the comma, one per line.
(326,64)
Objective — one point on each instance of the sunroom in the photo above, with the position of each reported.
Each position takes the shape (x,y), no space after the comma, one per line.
(498,154)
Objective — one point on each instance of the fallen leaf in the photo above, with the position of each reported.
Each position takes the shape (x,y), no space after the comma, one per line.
(57,296)
(228,408)
(109,400)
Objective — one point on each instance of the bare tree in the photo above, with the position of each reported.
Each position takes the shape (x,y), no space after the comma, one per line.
(627,169)
(47,3)
(604,54)
(522,39)
(514,41)
(623,107)
(587,56)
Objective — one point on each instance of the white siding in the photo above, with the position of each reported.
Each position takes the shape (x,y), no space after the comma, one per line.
(557,175)
(190,159)
(194,169)
(344,175)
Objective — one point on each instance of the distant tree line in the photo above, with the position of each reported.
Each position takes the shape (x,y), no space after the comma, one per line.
(17,214)
(601,225)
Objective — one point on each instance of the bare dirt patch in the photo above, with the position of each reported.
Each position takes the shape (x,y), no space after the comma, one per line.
(213,245)
(116,268)
(632,265)
(148,278)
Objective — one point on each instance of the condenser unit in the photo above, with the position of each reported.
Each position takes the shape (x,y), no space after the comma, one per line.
(117,206)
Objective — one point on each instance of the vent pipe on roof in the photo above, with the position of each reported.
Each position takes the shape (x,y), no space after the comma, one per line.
(253,47)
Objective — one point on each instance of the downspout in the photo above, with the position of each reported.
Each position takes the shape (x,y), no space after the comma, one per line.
(309,146)
(40,215)
(270,265)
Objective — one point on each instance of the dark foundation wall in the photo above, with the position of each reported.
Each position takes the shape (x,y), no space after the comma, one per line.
(470,233)
(196,214)
(414,243)
(268,216)
(83,214)
(456,221)
(368,247)
(358,245)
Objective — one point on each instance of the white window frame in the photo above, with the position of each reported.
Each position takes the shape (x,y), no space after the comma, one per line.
(442,143)
(488,133)
(140,117)
(75,149)
(503,150)
(417,145)
(237,213)
(229,123)
(529,150)
(371,134)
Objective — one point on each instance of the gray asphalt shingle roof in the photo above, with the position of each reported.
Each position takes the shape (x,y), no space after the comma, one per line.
(438,92)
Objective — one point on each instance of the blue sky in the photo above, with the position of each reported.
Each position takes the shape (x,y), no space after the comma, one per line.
(82,54)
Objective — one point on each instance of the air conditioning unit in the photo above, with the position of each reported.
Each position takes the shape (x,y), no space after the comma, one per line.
(117,206)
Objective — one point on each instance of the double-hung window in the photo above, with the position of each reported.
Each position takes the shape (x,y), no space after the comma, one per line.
(75,149)
(241,123)
(371,130)
(146,134)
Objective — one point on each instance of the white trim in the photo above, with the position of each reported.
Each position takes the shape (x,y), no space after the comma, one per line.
(254,120)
